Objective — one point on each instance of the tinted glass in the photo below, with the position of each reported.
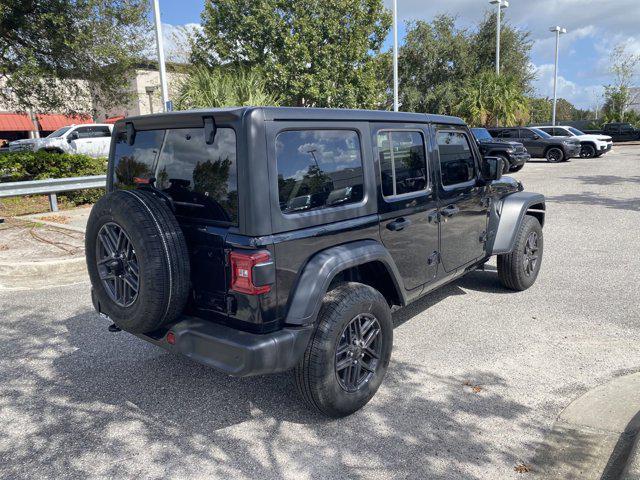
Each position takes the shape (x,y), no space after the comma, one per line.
(101,132)
(547,130)
(84,132)
(318,169)
(524,133)
(481,134)
(575,131)
(402,162)
(538,132)
(456,159)
(200,178)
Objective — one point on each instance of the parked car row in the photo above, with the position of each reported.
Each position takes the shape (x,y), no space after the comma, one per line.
(90,139)
(618,131)
(516,145)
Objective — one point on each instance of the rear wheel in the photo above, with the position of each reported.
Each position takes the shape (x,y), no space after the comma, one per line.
(348,355)
(519,269)
(587,151)
(554,155)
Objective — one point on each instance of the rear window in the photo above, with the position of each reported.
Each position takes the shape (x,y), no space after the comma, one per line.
(201,179)
(318,169)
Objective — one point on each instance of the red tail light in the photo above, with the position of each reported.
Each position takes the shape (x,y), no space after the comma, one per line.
(242,273)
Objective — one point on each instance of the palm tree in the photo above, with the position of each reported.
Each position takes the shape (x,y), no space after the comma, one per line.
(225,86)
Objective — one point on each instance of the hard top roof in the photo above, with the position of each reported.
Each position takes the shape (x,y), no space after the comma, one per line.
(183,117)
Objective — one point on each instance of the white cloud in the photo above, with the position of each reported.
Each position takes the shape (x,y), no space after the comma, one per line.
(582,96)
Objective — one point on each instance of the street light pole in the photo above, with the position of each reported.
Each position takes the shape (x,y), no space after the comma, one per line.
(395,55)
(558,31)
(167,107)
(501,4)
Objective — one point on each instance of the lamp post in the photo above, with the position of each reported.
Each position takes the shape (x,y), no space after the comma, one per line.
(501,4)
(395,55)
(166,103)
(558,31)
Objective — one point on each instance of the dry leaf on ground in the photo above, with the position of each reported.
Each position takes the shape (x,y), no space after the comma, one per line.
(55,219)
(522,468)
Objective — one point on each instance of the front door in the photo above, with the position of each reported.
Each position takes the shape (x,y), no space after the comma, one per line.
(532,142)
(407,202)
(463,199)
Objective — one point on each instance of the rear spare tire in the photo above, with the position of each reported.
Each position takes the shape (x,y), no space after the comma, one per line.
(137,260)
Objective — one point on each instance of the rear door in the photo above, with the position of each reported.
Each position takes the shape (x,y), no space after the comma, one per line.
(201,180)
(407,201)
(463,199)
(83,141)
(102,140)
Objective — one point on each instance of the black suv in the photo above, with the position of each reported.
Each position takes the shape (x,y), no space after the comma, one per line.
(261,240)
(513,154)
(540,144)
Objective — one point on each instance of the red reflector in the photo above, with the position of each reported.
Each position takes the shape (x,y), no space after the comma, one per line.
(242,272)
(141,181)
(171,338)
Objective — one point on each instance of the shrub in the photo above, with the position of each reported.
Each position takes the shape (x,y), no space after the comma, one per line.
(22,166)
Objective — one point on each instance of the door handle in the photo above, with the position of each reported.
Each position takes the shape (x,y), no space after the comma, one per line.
(450,211)
(398,224)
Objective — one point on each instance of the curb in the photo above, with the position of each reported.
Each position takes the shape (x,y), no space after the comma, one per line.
(32,275)
(593,437)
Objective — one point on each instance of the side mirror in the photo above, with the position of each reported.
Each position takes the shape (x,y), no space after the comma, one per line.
(491,168)
(72,136)
(536,137)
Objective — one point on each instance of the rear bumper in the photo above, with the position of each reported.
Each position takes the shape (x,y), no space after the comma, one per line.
(232,351)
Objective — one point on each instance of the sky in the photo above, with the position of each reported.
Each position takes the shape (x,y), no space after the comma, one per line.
(594,28)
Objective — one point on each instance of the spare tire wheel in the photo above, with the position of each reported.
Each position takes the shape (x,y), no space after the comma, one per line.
(137,260)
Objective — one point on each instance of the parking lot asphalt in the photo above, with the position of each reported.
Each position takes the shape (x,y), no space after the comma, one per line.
(477,378)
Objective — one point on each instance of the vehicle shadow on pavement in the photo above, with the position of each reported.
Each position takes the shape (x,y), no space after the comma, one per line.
(79,401)
(593,199)
(604,179)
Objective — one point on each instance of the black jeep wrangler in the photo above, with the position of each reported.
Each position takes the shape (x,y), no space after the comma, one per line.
(513,154)
(261,240)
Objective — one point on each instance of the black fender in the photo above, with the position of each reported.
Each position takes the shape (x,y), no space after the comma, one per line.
(506,217)
(324,266)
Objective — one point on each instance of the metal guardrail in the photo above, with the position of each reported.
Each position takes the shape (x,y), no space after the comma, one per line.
(51,187)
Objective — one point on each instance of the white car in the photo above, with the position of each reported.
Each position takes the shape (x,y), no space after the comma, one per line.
(91,139)
(592,145)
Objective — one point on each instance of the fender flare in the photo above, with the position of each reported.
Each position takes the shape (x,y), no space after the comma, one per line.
(318,273)
(507,216)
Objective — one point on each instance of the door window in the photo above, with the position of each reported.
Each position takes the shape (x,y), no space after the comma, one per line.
(403,166)
(84,132)
(457,164)
(527,134)
(318,169)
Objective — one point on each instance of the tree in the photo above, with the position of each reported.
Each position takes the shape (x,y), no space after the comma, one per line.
(438,60)
(312,53)
(515,50)
(223,87)
(46,46)
(487,99)
(618,94)
(541,110)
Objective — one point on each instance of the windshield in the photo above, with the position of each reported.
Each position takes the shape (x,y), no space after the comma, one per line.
(59,132)
(481,134)
(540,133)
(575,131)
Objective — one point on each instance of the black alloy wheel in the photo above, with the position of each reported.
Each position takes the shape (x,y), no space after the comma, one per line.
(358,352)
(555,155)
(587,151)
(117,264)
(530,257)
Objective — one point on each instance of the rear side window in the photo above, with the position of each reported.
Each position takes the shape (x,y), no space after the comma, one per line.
(403,166)
(456,158)
(318,169)
(201,179)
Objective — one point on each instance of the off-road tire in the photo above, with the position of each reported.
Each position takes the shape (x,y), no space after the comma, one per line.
(315,376)
(511,266)
(162,259)
(555,155)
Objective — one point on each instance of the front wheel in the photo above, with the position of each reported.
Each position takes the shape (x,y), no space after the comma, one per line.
(519,269)
(554,155)
(587,151)
(348,355)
